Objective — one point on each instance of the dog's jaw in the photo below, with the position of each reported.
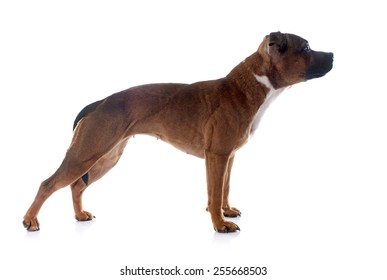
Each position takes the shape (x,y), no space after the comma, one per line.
(271,95)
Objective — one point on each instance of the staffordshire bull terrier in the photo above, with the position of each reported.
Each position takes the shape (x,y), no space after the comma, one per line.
(208,119)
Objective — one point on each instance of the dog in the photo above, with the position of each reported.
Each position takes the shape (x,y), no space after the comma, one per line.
(208,119)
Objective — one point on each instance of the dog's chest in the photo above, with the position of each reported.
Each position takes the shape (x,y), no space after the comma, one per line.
(270,97)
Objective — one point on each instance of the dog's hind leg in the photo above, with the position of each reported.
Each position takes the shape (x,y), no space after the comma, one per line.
(88,146)
(77,189)
(99,169)
(66,174)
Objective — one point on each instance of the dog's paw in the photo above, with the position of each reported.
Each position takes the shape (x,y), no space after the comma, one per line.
(31,224)
(231,212)
(226,226)
(84,216)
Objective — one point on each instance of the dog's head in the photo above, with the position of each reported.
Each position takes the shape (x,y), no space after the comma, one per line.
(292,60)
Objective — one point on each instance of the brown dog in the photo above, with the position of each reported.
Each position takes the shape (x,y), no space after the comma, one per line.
(210,119)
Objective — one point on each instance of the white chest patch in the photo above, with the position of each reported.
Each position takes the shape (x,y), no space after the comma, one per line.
(271,95)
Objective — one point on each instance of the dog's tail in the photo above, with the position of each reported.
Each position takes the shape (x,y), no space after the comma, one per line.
(85,111)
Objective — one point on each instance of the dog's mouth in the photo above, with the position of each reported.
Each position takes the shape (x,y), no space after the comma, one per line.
(310,76)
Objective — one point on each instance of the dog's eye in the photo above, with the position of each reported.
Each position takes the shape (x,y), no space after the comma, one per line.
(306,49)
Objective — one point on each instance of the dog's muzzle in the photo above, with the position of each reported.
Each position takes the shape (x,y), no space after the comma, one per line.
(321,63)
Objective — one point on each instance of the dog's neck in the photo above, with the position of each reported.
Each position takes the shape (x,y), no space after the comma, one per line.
(255,85)
(250,76)
(271,95)
(243,75)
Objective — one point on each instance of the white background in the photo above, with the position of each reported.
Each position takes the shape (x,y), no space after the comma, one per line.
(311,184)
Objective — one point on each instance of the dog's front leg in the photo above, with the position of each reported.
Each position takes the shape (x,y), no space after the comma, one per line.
(216,168)
(228,211)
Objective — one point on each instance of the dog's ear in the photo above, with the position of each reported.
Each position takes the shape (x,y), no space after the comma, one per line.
(277,43)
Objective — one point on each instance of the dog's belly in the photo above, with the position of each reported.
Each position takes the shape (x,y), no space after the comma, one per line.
(190,149)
